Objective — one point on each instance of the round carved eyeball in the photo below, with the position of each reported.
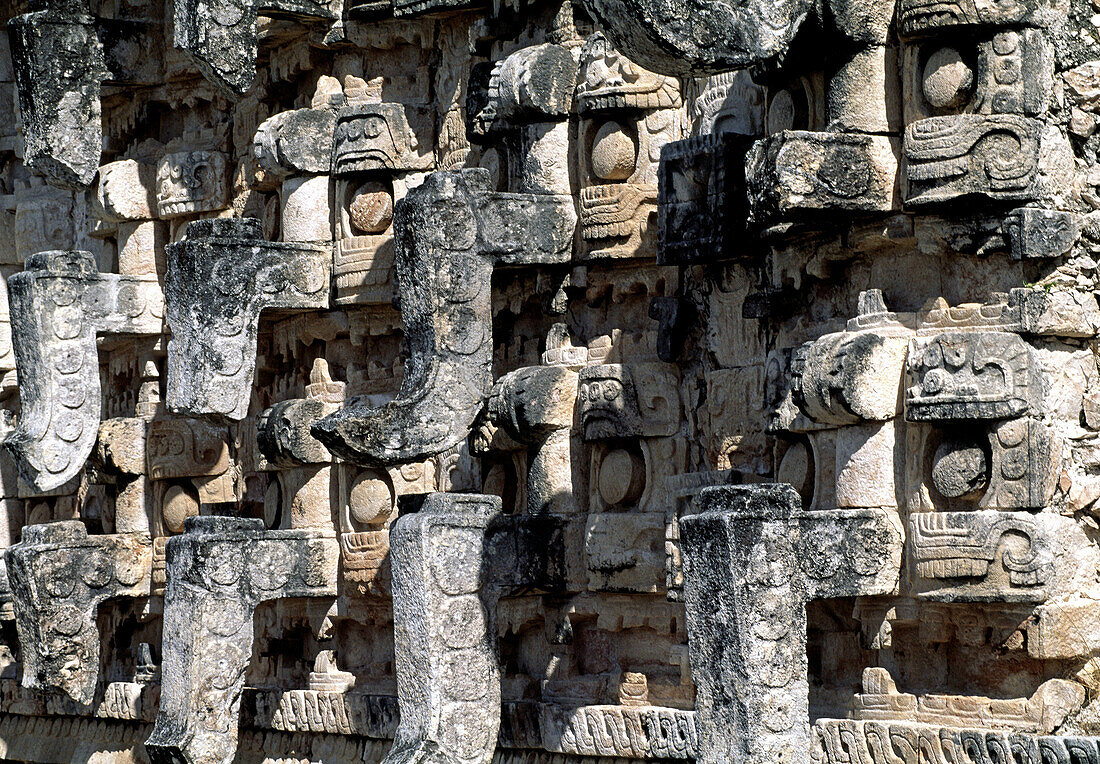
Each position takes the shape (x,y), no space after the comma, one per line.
(492,161)
(613,152)
(371,208)
(370,499)
(622,477)
(947,79)
(959,469)
(177,506)
(782,112)
(797,468)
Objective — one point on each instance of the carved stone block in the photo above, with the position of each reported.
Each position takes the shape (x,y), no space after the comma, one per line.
(1006,71)
(919,17)
(690,37)
(218,571)
(190,182)
(220,39)
(289,142)
(127,190)
(984,556)
(752,559)
(994,156)
(1035,233)
(796,172)
(384,136)
(448,231)
(58,306)
(845,377)
(700,199)
(448,680)
(619,401)
(59,576)
(219,280)
(59,63)
(971,375)
(181,447)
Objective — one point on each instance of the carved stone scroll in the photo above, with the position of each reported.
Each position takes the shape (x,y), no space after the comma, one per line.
(752,559)
(448,676)
(971,375)
(59,63)
(996,156)
(59,303)
(219,570)
(219,280)
(983,556)
(59,575)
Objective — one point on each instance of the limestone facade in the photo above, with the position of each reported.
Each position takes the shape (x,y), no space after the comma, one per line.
(550,381)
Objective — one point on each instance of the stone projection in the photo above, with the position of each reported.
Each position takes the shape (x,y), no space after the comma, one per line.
(550,382)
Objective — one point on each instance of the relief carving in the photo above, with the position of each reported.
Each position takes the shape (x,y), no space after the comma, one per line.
(59,304)
(219,569)
(219,280)
(59,576)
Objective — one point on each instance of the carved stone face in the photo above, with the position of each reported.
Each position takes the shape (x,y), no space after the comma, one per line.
(186,448)
(609,403)
(386,136)
(628,114)
(190,182)
(974,375)
(975,88)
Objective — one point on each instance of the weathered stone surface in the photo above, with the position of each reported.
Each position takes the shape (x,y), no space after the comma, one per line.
(591,267)
(59,304)
(288,142)
(982,556)
(994,156)
(971,375)
(219,280)
(752,559)
(798,172)
(59,62)
(448,231)
(1037,233)
(444,284)
(190,182)
(448,677)
(218,571)
(221,38)
(700,192)
(695,37)
(59,576)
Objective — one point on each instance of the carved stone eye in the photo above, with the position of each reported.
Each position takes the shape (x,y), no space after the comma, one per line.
(782,112)
(934,382)
(621,477)
(947,79)
(612,389)
(613,152)
(371,208)
(176,507)
(370,499)
(959,469)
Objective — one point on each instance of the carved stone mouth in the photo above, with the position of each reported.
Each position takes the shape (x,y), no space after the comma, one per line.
(365,160)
